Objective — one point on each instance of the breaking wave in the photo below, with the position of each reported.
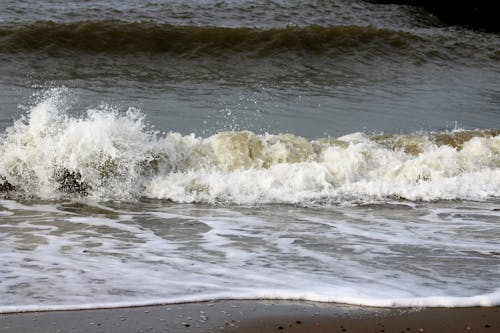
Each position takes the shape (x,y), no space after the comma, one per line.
(108,155)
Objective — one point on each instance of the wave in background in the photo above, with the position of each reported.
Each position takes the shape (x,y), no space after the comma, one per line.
(108,155)
(124,37)
(118,37)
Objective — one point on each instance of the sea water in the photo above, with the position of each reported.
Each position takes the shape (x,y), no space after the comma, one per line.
(334,151)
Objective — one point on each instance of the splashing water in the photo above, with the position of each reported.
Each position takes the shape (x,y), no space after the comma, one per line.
(107,154)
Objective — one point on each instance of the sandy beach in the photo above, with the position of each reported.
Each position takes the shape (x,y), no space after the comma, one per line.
(257,316)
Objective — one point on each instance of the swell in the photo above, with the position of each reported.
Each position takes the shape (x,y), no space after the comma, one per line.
(116,37)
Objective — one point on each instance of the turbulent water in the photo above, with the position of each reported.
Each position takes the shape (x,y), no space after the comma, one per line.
(172,151)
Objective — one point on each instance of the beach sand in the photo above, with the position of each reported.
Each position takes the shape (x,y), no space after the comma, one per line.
(257,316)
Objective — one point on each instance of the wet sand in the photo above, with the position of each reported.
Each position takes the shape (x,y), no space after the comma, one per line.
(256,316)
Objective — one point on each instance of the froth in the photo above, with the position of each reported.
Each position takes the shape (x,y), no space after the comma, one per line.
(75,255)
(48,152)
(108,154)
(247,168)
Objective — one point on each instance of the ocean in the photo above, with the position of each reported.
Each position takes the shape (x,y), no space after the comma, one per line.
(157,152)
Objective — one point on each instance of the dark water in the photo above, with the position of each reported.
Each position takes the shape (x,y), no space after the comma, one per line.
(172,151)
(316,69)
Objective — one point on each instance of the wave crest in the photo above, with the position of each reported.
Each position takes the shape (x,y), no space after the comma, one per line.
(108,155)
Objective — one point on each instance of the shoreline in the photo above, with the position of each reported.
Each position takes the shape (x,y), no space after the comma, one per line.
(256,316)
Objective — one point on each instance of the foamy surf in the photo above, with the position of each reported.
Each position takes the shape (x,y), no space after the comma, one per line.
(77,255)
(487,300)
(107,200)
(111,155)
(380,220)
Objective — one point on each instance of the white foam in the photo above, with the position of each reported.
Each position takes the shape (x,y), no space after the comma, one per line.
(361,171)
(115,156)
(424,255)
(486,300)
(445,257)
